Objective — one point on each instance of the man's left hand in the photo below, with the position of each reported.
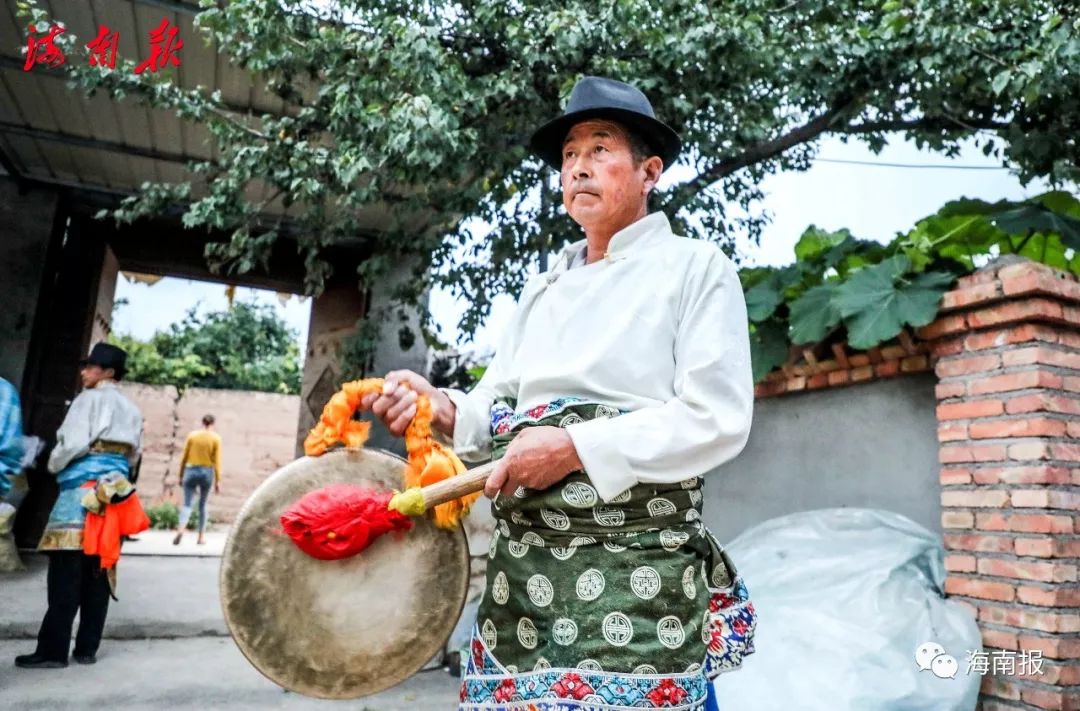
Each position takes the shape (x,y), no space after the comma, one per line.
(537,458)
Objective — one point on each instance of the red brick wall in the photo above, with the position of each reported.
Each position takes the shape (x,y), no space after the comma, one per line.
(903,354)
(847,367)
(1006,349)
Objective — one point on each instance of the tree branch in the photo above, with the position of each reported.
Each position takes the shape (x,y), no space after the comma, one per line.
(925,123)
(766,150)
(813,129)
(783,9)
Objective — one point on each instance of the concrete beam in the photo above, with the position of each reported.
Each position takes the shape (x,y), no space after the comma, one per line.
(14,172)
(93,143)
(16,64)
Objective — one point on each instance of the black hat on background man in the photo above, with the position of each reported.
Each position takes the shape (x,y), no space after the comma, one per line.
(597,97)
(107,355)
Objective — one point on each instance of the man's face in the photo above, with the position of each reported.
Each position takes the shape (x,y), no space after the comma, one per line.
(93,374)
(602,188)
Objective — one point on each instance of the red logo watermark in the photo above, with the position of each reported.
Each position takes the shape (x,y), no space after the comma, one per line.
(165,45)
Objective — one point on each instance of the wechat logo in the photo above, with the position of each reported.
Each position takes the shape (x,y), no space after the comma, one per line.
(931,656)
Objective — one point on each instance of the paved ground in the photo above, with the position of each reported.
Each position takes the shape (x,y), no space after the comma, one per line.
(160,597)
(188,674)
(166,646)
(160,543)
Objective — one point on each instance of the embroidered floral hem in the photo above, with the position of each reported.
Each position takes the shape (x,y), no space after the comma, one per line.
(61,540)
(487,686)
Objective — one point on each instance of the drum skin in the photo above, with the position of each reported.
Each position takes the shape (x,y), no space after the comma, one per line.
(348,628)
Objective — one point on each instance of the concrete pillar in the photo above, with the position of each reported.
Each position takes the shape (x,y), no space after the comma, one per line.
(334,317)
(389,355)
(26,226)
(62,331)
(101,326)
(1007,350)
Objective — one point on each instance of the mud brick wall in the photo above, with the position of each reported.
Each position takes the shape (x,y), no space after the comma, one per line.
(258,432)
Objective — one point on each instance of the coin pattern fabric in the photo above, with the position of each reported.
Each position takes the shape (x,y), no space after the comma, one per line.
(602,605)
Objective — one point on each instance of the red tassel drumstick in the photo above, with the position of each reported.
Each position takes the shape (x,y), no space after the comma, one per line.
(341,520)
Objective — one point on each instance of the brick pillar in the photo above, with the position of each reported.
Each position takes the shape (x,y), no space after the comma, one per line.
(1007,352)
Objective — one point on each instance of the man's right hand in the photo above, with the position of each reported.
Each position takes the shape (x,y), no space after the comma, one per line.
(396,406)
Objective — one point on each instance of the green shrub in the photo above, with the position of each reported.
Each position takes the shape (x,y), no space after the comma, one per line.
(166,516)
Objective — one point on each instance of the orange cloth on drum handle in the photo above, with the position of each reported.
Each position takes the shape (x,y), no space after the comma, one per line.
(428,461)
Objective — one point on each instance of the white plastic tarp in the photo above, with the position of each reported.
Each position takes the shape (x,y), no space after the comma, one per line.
(845,598)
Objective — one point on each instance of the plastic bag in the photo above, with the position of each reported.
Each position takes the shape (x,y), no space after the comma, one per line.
(844,598)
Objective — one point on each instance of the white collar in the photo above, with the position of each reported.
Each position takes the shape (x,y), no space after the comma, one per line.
(649,229)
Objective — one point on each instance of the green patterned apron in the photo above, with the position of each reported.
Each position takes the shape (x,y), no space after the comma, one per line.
(617,590)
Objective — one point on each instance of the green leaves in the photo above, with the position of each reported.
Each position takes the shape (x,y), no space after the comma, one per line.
(959,237)
(770,290)
(1045,228)
(762,300)
(841,288)
(1001,82)
(876,302)
(814,314)
(816,243)
(1037,218)
(407,123)
(768,347)
(873,303)
(247,347)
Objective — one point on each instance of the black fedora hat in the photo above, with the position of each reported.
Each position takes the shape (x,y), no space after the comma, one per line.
(597,97)
(107,355)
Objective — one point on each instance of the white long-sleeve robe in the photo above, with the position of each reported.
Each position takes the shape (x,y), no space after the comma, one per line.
(100,413)
(657,328)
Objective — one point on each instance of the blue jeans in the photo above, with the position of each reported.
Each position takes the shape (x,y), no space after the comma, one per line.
(200,478)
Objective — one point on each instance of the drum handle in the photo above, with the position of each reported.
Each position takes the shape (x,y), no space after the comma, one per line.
(465,483)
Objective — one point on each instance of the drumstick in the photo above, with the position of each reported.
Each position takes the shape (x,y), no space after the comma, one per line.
(416,500)
(342,520)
